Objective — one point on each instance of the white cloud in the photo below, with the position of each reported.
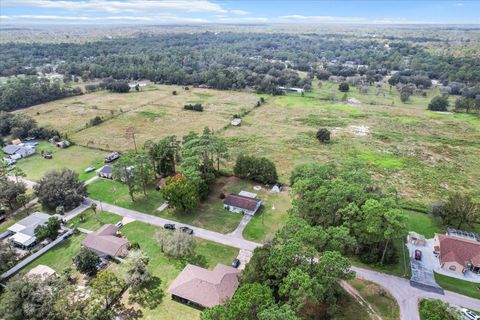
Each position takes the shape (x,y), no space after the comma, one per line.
(160,19)
(239,12)
(116,6)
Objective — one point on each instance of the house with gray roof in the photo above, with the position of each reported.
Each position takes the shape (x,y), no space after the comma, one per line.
(23,232)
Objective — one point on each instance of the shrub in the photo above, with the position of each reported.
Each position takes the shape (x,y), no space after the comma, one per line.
(323,135)
(344,87)
(438,103)
(194,107)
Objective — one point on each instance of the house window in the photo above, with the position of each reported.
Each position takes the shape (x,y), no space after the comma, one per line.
(452,268)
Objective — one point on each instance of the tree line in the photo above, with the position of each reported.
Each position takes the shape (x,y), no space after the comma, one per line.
(23,92)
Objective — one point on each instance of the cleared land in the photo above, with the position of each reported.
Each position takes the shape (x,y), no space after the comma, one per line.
(75,157)
(420,152)
(379,298)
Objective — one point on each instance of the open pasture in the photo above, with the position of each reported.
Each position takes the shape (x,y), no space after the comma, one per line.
(405,145)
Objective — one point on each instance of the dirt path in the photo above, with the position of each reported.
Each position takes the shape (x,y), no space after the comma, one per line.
(356,295)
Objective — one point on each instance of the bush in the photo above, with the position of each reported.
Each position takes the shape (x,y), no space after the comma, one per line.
(261,170)
(432,309)
(344,87)
(323,135)
(95,121)
(195,107)
(439,103)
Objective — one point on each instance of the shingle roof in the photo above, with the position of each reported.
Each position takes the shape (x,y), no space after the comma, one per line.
(10,149)
(104,241)
(106,170)
(459,250)
(241,202)
(204,287)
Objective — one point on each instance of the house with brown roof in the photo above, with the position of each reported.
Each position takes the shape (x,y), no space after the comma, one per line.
(205,288)
(457,254)
(106,242)
(245,203)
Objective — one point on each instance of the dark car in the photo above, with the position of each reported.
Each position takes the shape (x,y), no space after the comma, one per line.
(169,226)
(186,230)
(418,255)
(235,263)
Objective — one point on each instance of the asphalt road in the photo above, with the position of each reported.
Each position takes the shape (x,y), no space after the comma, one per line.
(408,297)
(225,239)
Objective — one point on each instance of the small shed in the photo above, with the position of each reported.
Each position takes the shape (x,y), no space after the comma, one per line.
(236,122)
(105,172)
(277,187)
(248,194)
(416,239)
(62,144)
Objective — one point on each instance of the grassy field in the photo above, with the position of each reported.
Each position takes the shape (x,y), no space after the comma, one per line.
(76,158)
(116,193)
(407,146)
(154,112)
(60,256)
(94,221)
(460,286)
(380,300)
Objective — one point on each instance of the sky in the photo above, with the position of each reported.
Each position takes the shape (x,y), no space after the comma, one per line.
(240,11)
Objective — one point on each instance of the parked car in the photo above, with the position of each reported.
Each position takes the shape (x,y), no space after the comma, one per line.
(119,224)
(469,315)
(112,157)
(418,255)
(186,230)
(235,263)
(169,226)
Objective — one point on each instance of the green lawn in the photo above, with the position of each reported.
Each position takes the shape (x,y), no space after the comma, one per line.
(75,157)
(459,286)
(94,221)
(60,256)
(423,224)
(116,193)
(380,300)
(167,269)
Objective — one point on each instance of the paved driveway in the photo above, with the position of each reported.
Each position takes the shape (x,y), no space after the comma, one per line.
(422,270)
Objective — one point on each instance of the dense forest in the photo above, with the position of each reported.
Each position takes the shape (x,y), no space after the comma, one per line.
(233,60)
(227,60)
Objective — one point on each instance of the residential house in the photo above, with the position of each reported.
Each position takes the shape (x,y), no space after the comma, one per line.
(24,230)
(205,288)
(17,151)
(243,203)
(457,254)
(106,242)
(105,172)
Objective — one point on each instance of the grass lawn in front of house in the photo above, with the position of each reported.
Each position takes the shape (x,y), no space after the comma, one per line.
(59,257)
(167,269)
(466,288)
(381,301)
(116,193)
(94,221)
(75,157)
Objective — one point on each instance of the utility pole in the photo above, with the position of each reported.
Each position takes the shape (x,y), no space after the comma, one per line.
(131,134)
